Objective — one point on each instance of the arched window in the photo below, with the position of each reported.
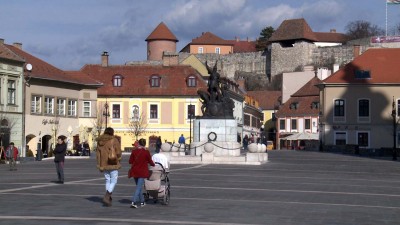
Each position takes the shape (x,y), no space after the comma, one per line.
(117,80)
(191,81)
(4,123)
(155,81)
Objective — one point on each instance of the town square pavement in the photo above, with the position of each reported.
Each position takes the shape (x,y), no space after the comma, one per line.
(294,187)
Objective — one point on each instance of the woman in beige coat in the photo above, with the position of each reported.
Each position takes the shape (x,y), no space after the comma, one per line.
(105,143)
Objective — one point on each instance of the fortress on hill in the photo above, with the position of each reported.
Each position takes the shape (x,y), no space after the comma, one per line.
(292,47)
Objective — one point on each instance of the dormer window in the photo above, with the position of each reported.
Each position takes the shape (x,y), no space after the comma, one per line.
(117,80)
(315,105)
(155,81)
(362,74)
(294,105)
(191,81)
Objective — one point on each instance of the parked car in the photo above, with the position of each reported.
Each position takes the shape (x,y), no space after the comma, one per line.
(270,145)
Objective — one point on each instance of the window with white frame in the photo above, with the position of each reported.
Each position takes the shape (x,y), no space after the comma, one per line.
(153,111)
(307,124)
(116,111)
(282,124)
(363,108)
(49,105)
(201,50)
(218,50)
(72,109)
(339,108)
(87,106)
(11,92)
(294,124)
(36,104)
(155,81)
(363,139)
(340,138)
(61,106)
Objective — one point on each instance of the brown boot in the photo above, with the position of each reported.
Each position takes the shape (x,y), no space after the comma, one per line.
(107,199)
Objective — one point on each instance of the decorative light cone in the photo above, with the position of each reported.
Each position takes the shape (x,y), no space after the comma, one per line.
(253,148)
(208,147)
(165,147)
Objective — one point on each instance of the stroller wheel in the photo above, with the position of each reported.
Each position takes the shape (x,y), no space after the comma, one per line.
(146,196)
(166,197)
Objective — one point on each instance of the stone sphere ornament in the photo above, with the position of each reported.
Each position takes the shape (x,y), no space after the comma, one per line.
(253,148)
(175,147)
(208,147)
(165,147)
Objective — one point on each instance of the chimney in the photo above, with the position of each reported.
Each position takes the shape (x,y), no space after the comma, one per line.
(17,45)
(333,30)
(104,59)
(356,50)
(1,41)
(170,58)
(237,39)
(241,82)
(248,39)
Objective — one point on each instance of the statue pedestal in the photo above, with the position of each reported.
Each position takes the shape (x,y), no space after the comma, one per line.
(221,132)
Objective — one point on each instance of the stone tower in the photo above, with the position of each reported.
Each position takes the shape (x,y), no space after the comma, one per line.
(160,40)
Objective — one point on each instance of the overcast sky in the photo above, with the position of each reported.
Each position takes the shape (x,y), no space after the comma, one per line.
(71,33)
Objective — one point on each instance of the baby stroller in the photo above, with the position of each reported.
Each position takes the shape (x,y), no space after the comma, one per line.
(157,185)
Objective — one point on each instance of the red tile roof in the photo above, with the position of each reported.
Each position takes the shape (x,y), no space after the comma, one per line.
(136,80)
(331,37)
(243,46)
(304,97)
(6,53)
(43,70)
(293,30)
(383,66)
(268,100)
(209,38)
(162,32)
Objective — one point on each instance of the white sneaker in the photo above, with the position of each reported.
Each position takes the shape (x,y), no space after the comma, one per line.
(133,205)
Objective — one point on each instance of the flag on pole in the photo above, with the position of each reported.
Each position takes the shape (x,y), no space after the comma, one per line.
(393,1)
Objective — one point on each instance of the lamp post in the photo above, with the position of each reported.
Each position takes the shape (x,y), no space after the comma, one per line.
(394,123)
(106,113)
(26,78)
(190,122)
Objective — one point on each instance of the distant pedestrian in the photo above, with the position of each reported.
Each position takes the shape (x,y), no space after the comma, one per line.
(107,143)
(12,155)
(245,142)
(59,157)
(158,144)
(139,160)
(181,141)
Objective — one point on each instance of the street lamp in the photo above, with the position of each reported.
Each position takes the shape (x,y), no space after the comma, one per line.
(106,113)
(27,78)
(394,121)
(191,112)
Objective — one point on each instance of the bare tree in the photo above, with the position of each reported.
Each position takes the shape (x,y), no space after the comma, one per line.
(98,123)
(362,29)
(137,125)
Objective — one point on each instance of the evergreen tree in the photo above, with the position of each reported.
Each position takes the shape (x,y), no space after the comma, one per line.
(262,41)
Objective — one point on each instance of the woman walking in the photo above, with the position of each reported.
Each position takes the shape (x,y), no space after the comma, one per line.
(139,160)
(59,157)
(108,144)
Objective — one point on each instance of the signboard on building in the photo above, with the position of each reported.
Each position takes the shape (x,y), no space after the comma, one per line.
(385,39)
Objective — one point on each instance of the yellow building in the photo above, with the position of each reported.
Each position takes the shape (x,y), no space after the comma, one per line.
(163,97)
